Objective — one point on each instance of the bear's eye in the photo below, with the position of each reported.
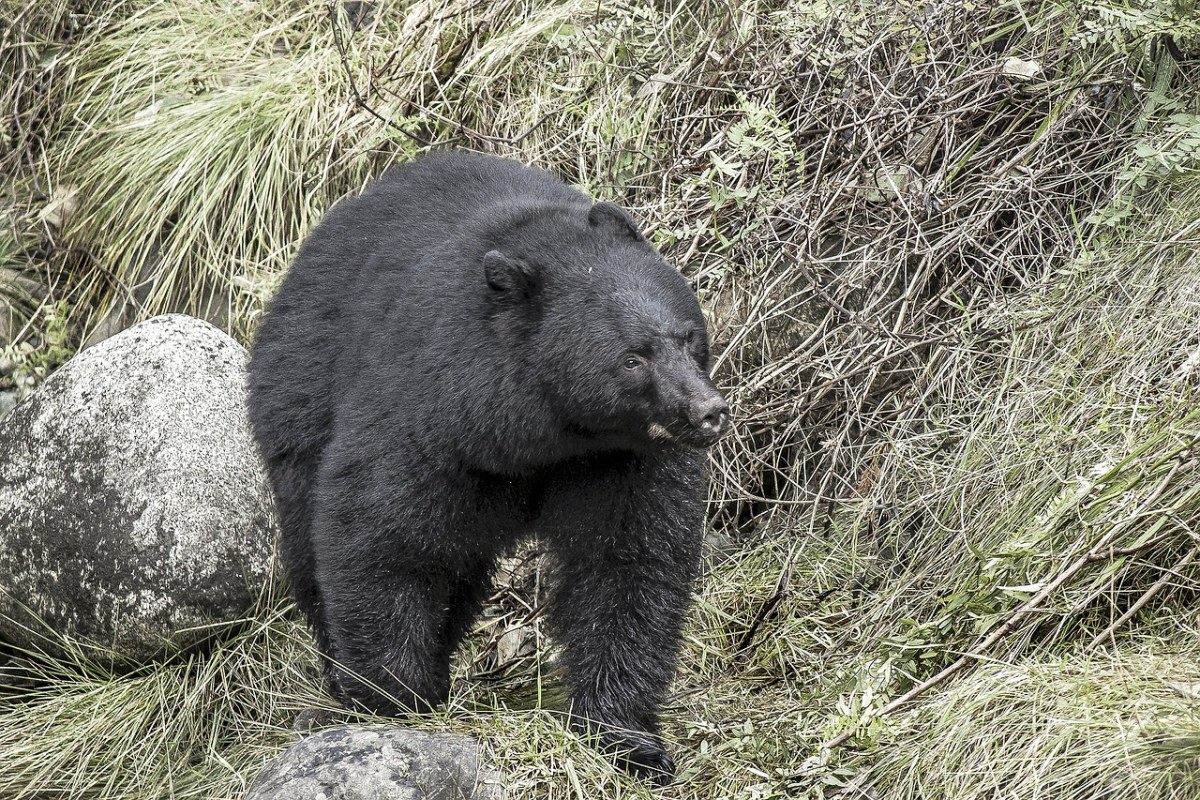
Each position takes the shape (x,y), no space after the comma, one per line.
(633,362)
(689,337)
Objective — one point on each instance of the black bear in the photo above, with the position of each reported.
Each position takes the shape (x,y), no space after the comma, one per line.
(469,353)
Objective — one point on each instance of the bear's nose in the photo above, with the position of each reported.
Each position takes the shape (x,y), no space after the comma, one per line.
(710,415)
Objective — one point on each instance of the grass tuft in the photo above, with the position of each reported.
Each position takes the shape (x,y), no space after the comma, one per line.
(190,728)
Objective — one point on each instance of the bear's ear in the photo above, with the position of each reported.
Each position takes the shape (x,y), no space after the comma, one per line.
(509,278)
(612,217)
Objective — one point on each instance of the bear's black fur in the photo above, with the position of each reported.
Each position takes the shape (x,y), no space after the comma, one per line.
(469,353)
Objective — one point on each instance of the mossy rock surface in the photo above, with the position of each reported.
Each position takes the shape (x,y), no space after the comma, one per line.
(134,512)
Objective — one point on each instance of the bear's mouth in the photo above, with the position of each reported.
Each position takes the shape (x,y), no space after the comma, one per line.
(684,433)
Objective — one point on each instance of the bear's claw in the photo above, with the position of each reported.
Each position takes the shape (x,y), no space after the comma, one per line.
(641,755)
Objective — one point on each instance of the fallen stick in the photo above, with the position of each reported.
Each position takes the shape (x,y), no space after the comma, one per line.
(1145,598)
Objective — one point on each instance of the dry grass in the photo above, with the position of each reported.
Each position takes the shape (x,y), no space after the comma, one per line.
(1124,726)
(190,729)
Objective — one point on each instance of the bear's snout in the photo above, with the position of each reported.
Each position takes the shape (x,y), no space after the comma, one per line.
(709,416)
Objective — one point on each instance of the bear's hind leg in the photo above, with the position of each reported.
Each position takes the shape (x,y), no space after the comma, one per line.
(293,478)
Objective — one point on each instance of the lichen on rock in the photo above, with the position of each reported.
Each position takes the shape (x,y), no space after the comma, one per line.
(133,508)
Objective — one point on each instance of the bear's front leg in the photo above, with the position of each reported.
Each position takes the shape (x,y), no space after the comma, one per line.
(397,591)
(386,650)
(625,532)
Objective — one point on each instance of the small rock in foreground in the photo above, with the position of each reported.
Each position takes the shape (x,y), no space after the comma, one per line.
(378,763)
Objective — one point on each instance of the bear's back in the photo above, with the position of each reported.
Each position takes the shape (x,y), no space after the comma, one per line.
(400,219)
(458,186)
(396,242)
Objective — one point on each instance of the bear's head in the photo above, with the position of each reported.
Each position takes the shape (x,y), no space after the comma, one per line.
(611,335)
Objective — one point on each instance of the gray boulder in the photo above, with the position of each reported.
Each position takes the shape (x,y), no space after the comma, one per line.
(133,506)
(378,763)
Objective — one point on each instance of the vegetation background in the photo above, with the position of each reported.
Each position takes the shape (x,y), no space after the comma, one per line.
(949,251)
